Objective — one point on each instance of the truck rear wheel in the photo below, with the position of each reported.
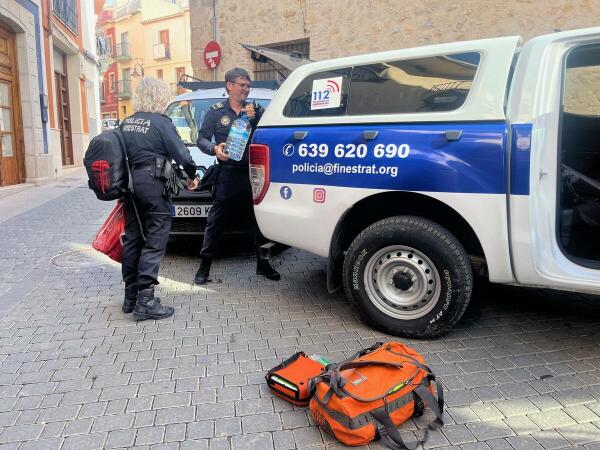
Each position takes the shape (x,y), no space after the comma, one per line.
(408,276)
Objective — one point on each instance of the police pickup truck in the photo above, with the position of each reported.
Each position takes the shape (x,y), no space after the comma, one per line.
(410,169)
(187,111)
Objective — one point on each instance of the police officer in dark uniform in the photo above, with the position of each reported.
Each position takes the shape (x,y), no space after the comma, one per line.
(152,142)
(232,192)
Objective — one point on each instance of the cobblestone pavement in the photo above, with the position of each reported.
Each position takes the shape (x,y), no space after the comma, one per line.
(522,370)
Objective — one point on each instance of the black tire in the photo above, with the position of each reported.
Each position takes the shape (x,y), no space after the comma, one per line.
(420,280)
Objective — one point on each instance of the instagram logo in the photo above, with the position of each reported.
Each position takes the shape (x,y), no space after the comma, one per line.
(319,195)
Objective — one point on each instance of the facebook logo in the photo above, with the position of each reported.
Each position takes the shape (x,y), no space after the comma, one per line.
(286,192)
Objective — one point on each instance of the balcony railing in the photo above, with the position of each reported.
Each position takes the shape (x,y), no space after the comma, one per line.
(123,89)
(66,11)
(121,52)
(131,7)
(161,51)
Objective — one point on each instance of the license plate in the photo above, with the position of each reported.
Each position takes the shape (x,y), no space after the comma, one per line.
(191,210)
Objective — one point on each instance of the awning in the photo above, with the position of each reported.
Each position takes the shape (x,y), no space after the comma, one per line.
(290,61)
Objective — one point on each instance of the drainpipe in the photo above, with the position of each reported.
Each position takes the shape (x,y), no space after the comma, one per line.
(214,33)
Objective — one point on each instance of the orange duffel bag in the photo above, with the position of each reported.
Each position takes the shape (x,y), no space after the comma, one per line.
(367,397)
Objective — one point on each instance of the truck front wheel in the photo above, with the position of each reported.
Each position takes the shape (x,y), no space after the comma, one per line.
(408,276)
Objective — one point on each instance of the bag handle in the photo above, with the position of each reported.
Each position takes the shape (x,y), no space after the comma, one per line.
(390,432)
(336,382)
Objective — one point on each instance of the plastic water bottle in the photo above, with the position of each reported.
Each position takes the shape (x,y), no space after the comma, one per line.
(238,137)
(320,359)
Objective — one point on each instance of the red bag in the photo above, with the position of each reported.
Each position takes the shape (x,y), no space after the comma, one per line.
(108,240)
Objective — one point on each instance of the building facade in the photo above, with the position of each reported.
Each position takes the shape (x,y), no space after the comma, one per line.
(71,78)
(109,103)
(349,27)
(152,38)
(24,151)
(48,87)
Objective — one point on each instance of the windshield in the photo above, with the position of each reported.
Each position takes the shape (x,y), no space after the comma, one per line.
(188,115)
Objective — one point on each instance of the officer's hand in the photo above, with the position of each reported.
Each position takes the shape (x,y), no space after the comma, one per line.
(250,111)
(220,152)
(193,184)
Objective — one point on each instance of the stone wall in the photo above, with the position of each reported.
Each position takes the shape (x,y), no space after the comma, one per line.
(347,27)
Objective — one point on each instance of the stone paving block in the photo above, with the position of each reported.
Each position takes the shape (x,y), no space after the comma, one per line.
(581,414)
(175,432)
(220,444)
(458,434)
(53,430)
(460,398)
(484,431)
(116,406)
(215,411)
(228,427)
(58,414)
(200,444)
(181,414)
(94,441)
(257,441)
(487,412)
(550,439)
(172,400)
(548,420)
(257,423)
(524,443)
(92,410)
(307,437)
(150,435)
(113,422)
(579,434)
(476,446)
(19,433)
(121,439)
(79,426)
(573,397)
(521,425)
(43,444)
(499,444)
(249,407)
(200,430)
(516,407)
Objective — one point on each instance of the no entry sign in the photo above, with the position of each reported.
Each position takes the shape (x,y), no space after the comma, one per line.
(212,54)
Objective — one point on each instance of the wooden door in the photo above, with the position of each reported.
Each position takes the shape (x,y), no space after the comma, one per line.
(12,167)
(64,118)
(164,37)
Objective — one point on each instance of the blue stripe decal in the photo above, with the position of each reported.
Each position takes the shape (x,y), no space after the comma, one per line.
(415,157)
(520,155)
(34,10)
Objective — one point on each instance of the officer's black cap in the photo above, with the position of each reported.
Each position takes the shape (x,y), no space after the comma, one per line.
(236,72)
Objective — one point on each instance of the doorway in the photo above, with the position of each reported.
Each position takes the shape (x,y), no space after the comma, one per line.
(11,128)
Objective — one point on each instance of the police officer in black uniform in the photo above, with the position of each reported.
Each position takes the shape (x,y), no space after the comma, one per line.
(152,142)
(232,192)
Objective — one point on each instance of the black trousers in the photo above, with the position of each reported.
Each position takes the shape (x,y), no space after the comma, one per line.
(236,209)
(141,259)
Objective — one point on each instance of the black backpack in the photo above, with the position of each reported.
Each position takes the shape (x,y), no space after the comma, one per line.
(107,166)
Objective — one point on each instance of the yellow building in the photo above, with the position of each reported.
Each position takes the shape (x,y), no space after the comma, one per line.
(153,39)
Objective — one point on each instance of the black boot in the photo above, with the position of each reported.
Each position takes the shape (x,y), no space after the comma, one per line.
(203,271)
(149,307)
(263,267)
(131,292)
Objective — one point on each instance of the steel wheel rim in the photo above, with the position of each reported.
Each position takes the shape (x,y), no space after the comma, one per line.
(402,282)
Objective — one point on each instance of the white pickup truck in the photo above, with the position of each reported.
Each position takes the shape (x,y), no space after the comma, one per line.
(409,168)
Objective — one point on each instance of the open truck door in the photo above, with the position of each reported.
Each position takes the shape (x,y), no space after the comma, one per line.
(554,162)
